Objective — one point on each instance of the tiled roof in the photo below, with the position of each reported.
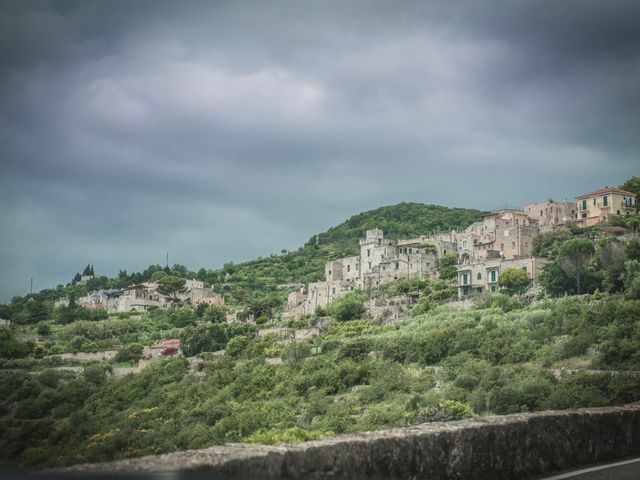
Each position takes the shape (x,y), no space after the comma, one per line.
(604,190)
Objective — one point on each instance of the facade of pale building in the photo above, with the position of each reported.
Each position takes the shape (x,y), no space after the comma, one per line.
(599,205)
(551,215)
(482,276)
(502,234)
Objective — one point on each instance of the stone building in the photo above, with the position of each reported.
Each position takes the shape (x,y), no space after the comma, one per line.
(503,234)
(380,261)
(140,297)
(97,300)
(482,276)
(551,215)
(601,204)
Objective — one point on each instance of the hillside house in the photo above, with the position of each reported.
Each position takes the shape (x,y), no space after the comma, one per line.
(482,276)
(601,204)
(140,298)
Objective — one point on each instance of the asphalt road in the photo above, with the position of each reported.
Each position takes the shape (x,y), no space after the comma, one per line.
(622,470)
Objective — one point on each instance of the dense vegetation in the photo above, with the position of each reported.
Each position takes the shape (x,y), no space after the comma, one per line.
(447,364)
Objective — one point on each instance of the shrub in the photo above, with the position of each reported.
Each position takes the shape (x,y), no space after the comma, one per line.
(43,329)
(236,346)
(349,307)
(130,352)
(357,349)
(296,352)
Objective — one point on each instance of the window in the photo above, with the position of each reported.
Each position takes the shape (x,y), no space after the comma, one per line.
(465,279)
(479,276)
(369,254)
(333,290)
(397,265)
(379,241)
(605,201)
(369,265)
(493,275)
(384,268)
(348,268)
(524,269)
(493,288)
(584,215)
(513,244)
(584,204)
(540,212)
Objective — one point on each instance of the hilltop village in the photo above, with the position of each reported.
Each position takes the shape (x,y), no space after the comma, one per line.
(502,239)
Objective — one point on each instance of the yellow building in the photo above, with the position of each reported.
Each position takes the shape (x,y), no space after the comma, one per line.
(601,204)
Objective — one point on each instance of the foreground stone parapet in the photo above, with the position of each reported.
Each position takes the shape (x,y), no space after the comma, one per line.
(501,447)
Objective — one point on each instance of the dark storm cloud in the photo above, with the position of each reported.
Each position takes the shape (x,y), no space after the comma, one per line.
(224,130)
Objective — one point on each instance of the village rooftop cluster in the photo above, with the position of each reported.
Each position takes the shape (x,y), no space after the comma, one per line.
(502,239)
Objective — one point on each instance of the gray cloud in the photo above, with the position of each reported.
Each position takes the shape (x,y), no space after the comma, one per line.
(223,131)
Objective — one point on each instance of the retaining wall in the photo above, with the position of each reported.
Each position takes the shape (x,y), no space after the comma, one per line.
(501,447)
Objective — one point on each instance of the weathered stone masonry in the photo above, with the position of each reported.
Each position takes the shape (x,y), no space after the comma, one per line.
(503,447)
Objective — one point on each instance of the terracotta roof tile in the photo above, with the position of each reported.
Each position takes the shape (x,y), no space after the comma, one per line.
(602,191)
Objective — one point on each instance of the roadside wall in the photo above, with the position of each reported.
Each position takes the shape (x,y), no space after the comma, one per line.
(503,447)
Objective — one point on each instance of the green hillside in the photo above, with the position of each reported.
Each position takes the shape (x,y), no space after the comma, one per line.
(403,220)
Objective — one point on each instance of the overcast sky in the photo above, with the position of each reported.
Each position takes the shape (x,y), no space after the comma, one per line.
(224,130)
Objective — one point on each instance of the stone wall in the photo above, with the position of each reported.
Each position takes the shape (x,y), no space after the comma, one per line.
(504,447)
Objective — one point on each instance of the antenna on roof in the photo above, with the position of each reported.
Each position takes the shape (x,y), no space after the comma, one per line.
(31,288)
(167,264)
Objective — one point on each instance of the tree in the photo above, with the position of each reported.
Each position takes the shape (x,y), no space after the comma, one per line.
(349,307)
(88,270)
(633,185)
(514,280)
(573,258)
(179,270)
(448,263)
(236,346)
(11,347)
(157,276)
(544,243)
(611,258)
(632,249)
(214,313)
(171,286)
